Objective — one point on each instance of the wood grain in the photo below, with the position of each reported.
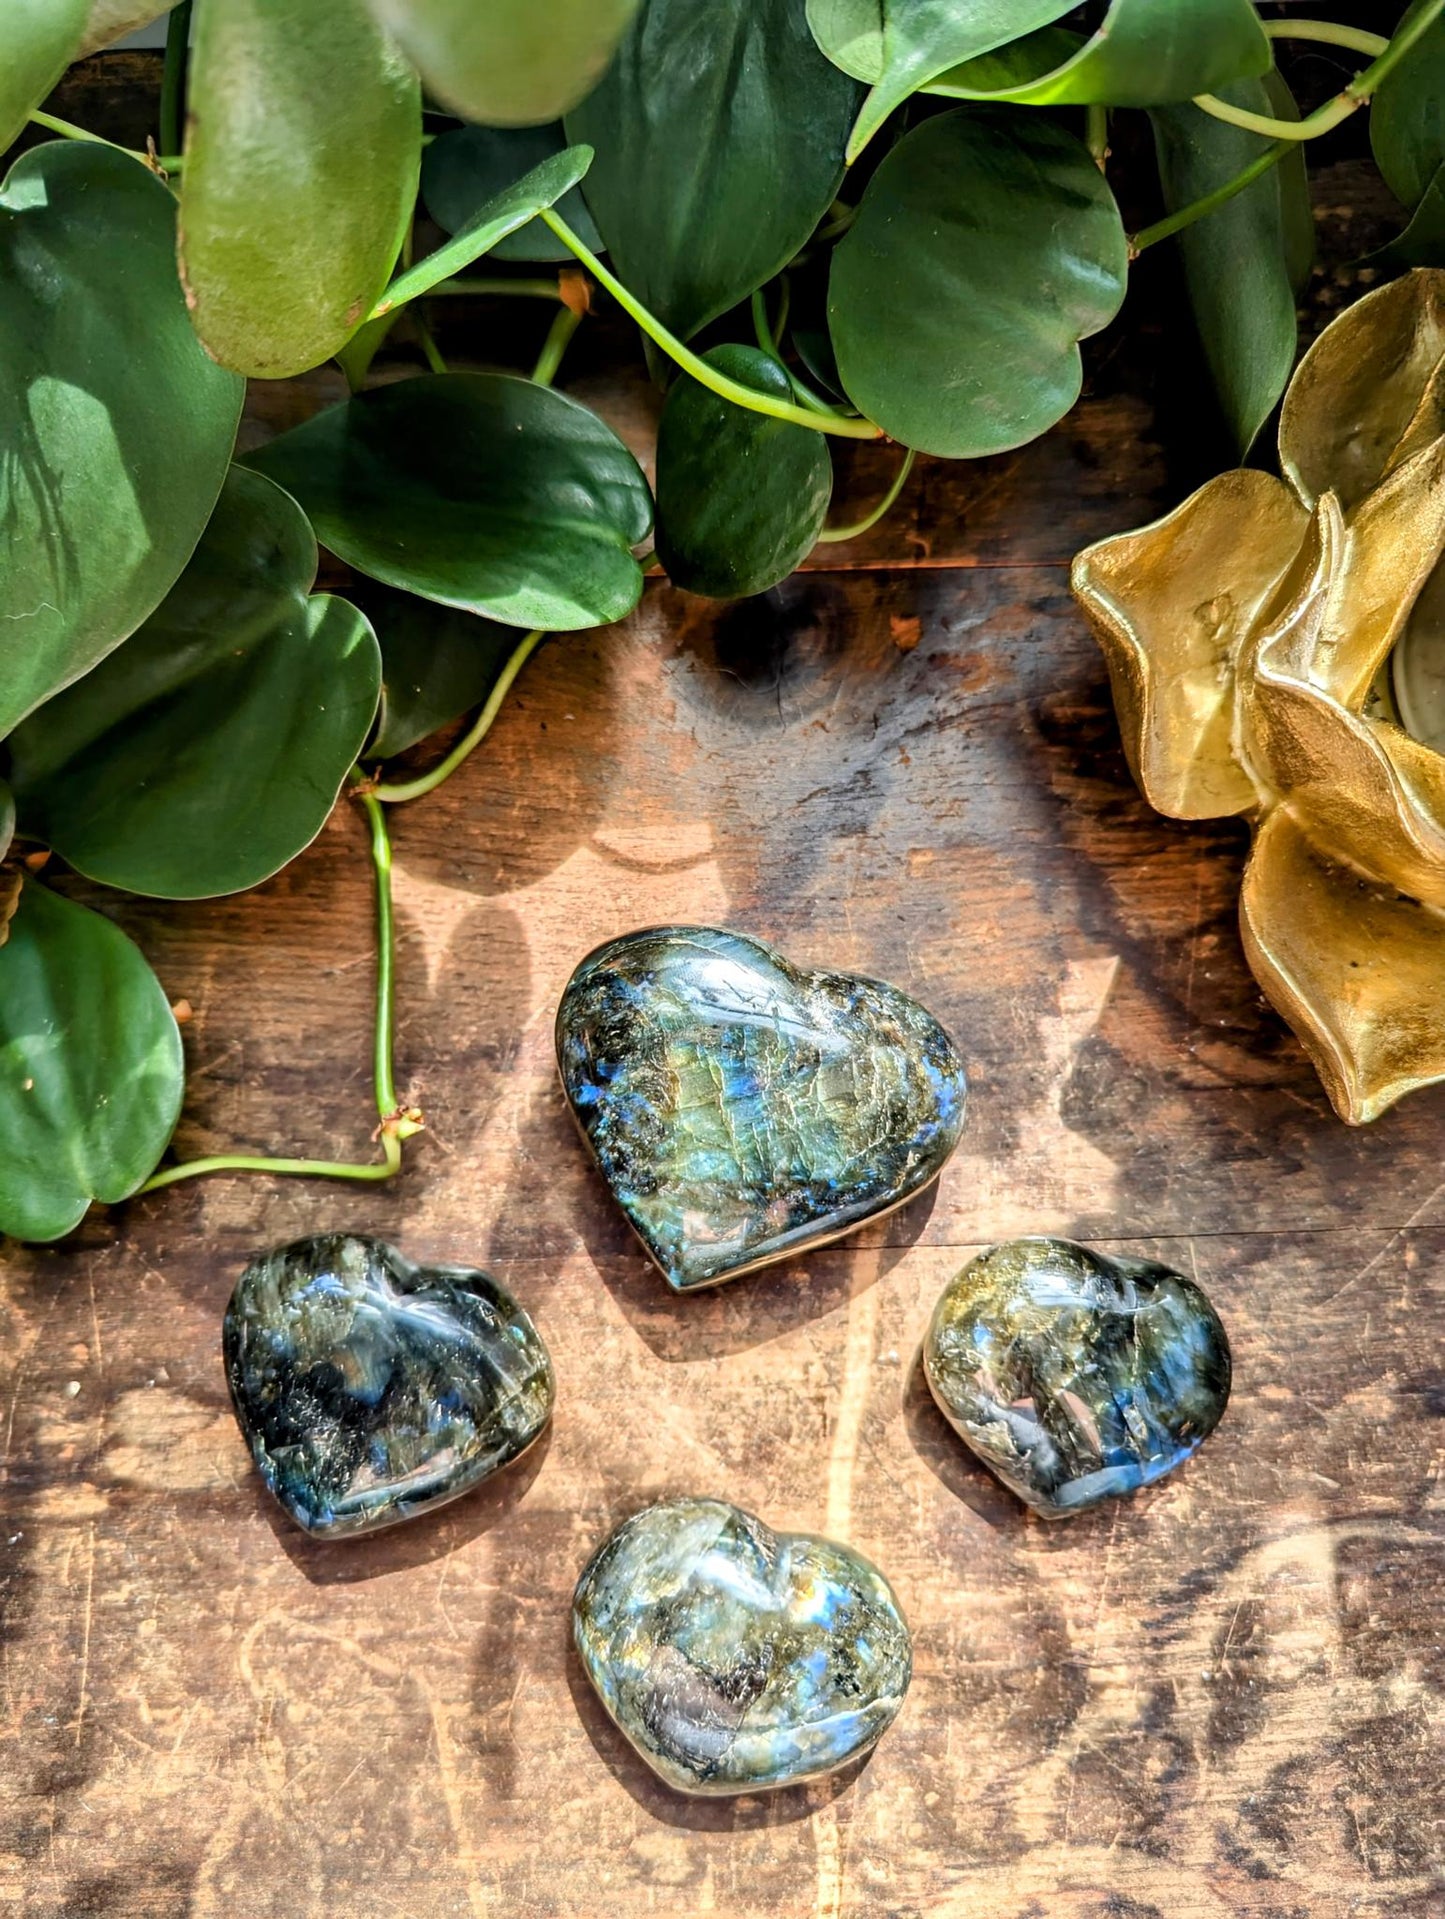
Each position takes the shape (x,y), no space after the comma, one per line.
(1222,1697)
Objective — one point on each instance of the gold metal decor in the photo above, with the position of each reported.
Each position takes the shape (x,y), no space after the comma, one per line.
(1244,634)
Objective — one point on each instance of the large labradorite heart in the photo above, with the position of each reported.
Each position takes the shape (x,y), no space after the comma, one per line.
(370,1389)
(735,1658)
(1072,1376)
(742,1108)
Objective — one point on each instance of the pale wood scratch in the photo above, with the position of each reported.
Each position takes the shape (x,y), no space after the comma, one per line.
(85,1631)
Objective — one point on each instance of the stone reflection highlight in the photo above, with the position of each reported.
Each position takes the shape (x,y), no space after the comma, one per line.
(1073,1376)
(735,1658)
(742,1108)
(369,1389)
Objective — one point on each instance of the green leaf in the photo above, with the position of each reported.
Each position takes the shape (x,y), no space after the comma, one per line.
(478,490)
(900,45)
(303,152)
(719,132)
(116,427)
(741,498)
(1019,63)
(1407,116)
(436,664)
(463,170)
(986,246)
(91,1072)
(1422,244)
(109,20)
(7,818)
(1237,259)
(1146,53)
(507,213)
(206,752)
(507,63)
(40,41)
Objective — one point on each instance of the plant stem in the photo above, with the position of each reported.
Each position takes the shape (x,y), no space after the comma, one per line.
(564,325)
(1096,133)
(1328,34)
(533,289)
(762,332)
(1183,217)
(395,1125)
(396,795)
(428,345)
(832,534)
(689,361)
(1350,98)
(173,81)
(69,131)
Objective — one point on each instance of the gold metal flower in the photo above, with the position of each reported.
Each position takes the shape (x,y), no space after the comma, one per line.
(1244,633)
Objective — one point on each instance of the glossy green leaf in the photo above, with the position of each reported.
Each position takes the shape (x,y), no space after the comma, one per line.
(1146,53)
(986,246)
(1407,116)
(1422,244)
(507,213)
(303,152)
(7,818)
(38,40)
(91,1072)
(508,63)
(116,428)
(478,490)
(108,20)
(1237,259)
(898,46)
(719,132)
(463,170)
(741,497)
(208,750)
(1019,63)
(436,664)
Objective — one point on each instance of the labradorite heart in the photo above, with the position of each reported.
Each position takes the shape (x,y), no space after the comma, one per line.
(742,1108)
(735,1658)
(370,1389)
(1073,1376)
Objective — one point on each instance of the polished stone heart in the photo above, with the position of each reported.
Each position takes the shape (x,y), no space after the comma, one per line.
(735,1658)
(369,1389)
(742,1108)
(1073,1376)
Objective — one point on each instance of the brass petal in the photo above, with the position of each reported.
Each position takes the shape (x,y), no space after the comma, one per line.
(1171,605)
(1369,392)
(1357,970)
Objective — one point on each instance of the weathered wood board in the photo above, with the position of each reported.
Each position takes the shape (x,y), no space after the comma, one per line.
(1223,1697)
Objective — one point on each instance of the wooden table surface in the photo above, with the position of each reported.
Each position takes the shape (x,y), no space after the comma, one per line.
(1221,1697)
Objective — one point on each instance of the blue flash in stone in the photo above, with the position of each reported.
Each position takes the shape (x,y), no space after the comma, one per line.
(369,1389)
(742,1108)
(1075,1377)
(735,1658)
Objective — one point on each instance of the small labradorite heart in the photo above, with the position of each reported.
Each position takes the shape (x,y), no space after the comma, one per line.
(1075,1377)
(735,1658)
(369,1389)
(742,1108)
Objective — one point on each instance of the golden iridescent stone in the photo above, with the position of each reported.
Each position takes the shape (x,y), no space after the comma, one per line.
(1073,1376)
(742,1108)
(735,1658)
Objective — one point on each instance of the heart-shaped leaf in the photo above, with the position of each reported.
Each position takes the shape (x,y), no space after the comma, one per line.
(40,41)
(511,210)
(898,46)
(91,1072)
(719,132)
(507,63)
(741,497)
(208,750)
(116,427)
(1238,260)
(479,490)
(1407,116)
(986,246)
(436,664)
(462,171)
(303,152)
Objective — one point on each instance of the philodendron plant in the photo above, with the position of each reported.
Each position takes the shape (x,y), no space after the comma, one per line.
(830,220)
